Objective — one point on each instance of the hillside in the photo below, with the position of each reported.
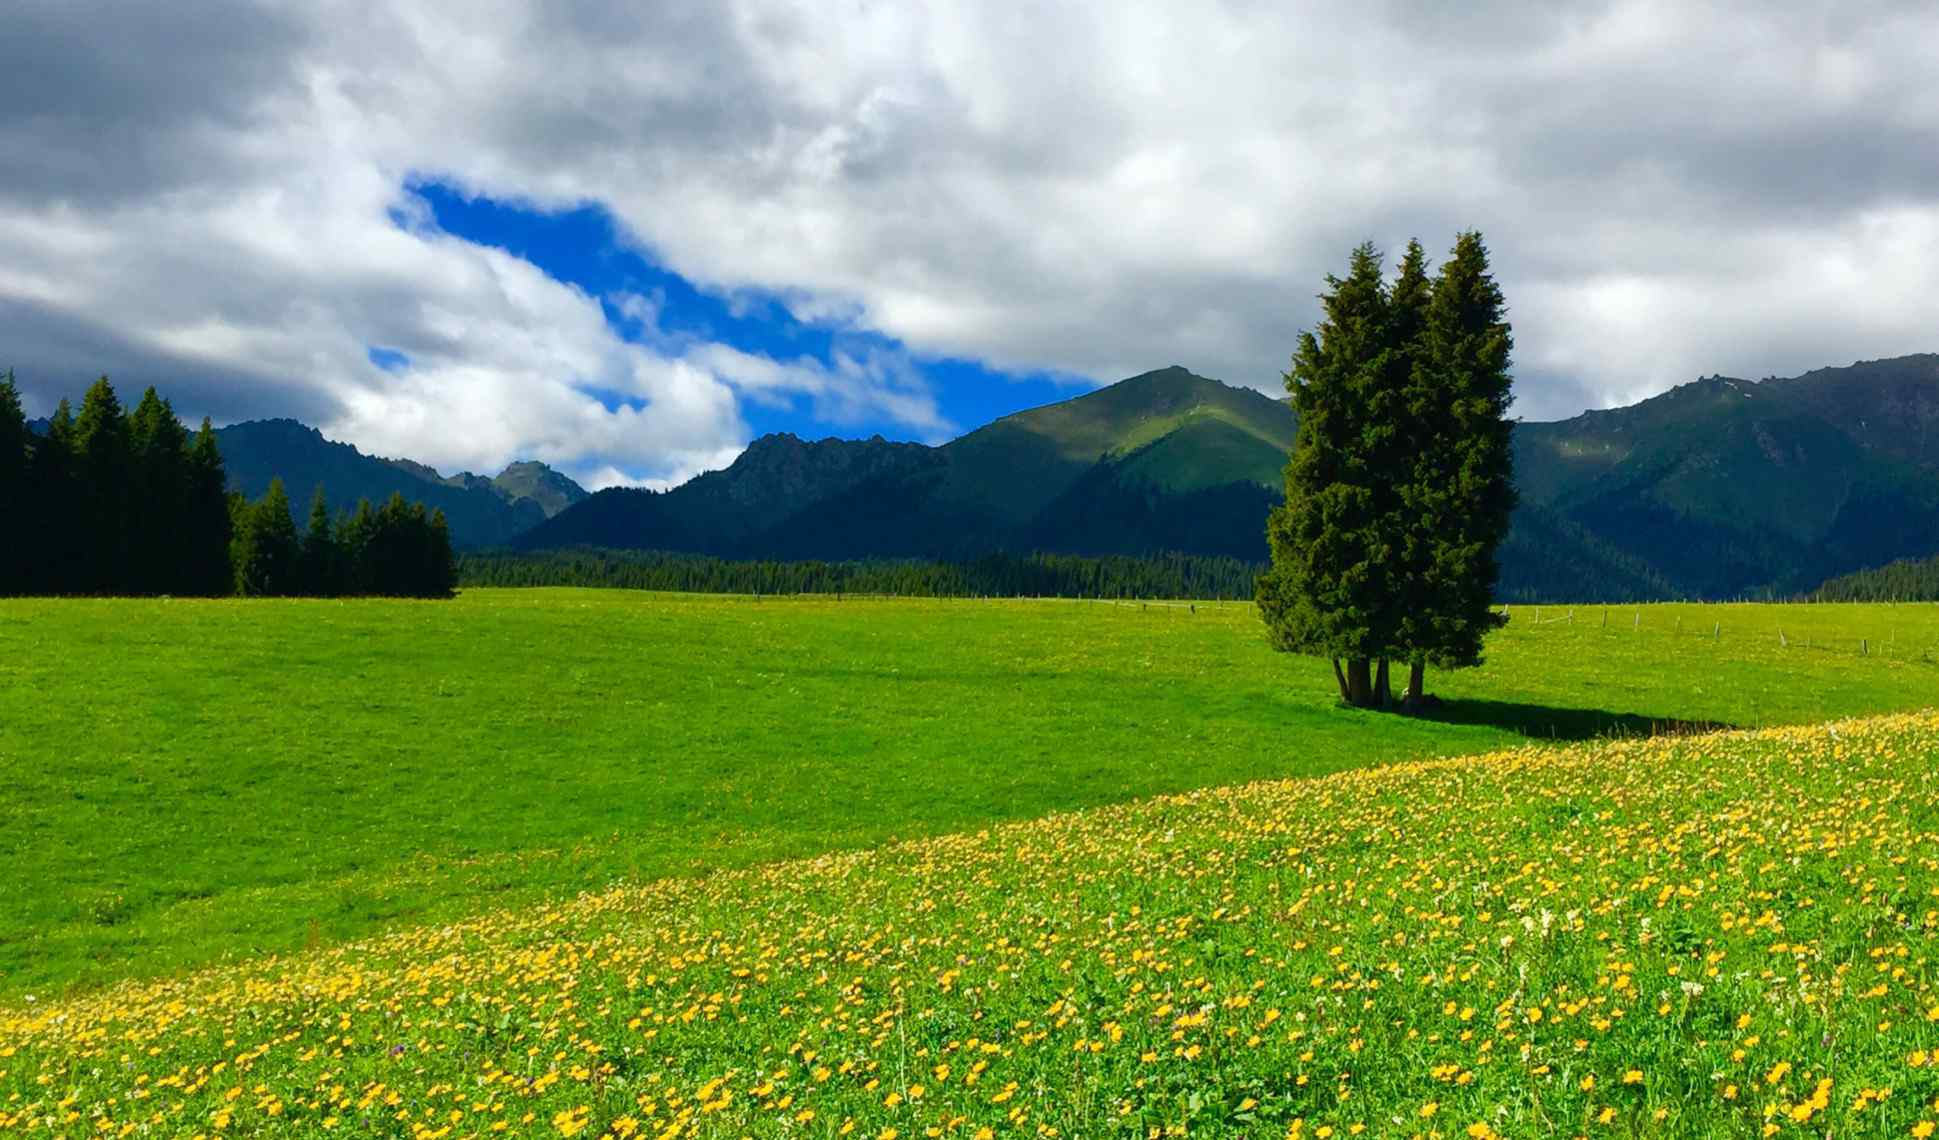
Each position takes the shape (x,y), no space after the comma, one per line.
(1726,487)
(1622,938)
(1718,488)
(1161,461)
(481,512)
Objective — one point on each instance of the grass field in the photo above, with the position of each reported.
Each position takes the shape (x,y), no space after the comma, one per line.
(1724,935)
(187,782)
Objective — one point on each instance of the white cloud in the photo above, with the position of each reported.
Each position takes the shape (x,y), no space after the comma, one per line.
(1669,188)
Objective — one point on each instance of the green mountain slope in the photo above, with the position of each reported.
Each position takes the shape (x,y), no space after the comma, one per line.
(1728,487)
(1016,466)
(1718,488)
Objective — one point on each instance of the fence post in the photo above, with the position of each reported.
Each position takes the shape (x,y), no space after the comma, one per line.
(1717,632)
(1638,623)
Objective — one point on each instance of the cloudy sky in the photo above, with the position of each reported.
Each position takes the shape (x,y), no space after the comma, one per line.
(625,238)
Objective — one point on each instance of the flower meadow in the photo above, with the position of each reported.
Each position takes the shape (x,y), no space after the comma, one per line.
(1727,934)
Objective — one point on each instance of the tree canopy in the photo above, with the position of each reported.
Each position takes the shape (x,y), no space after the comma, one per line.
(112,502)
(1400,483)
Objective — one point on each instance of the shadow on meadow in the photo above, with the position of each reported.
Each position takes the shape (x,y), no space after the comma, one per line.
(1544,722)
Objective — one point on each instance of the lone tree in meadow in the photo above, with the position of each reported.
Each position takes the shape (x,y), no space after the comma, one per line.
(1400,482)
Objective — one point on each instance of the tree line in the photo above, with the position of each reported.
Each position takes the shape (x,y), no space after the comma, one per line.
(1906,580)
(1400,484)
(114,503)
(994,575)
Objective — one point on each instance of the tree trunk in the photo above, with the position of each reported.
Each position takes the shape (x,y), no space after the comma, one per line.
(1416,683)
(1359,682)
(1342,679)
(1383,689)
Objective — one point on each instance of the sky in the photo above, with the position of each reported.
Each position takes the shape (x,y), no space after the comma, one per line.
(625,239)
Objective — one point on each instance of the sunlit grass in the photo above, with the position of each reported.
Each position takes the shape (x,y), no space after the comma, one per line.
(184,782)
(1729,934)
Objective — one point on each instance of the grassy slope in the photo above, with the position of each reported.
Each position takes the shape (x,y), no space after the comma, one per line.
(1019,463)
(185,780)
(1726,935)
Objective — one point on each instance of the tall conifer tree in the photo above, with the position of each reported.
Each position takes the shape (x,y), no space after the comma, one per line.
(159,552)
(54,508)
(1463,478)
(16,539)
(207,519)
(1400,483)
(320,555)
(442,581)
(1331,590)
(104,465)
(268,556)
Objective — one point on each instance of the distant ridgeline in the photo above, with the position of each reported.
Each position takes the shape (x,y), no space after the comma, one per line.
(991,575)
(1717,489)
(109,503)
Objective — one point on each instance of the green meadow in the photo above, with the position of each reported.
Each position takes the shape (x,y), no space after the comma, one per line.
(189,782)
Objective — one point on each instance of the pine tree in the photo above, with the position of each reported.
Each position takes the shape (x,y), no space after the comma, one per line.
(1465,468)
(15,536)
(353,544)
(207,527)
(268,556)
(1420,427)
(104,465)
(441,579)
(159,556)
(53,506)
(1331,590)
(321,558)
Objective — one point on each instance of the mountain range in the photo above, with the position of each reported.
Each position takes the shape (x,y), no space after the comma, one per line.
(481,511)
(1718,488)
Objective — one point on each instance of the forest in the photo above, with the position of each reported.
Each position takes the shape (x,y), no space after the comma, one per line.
(992,575)
(109,502)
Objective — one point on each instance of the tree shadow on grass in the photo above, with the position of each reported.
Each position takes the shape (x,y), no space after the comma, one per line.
(1543,722)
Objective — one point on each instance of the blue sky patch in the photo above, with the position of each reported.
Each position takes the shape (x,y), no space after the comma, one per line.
(388,359)
(582,247)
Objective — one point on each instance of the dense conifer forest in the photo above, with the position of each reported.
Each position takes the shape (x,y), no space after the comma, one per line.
(108,502)
(1907,580)
(995,575)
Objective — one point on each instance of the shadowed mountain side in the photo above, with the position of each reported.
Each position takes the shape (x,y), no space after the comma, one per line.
(1718,488)
(1727,487)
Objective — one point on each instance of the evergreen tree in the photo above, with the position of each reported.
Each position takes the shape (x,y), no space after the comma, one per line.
(268,556)
(1400,485)
(207,527)
(1420,427)
(1332,587)
(104,465)
(1463,473)
(15,536)
(441,578)
(320,554)
(159,550)
(353,545)
(53,508)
